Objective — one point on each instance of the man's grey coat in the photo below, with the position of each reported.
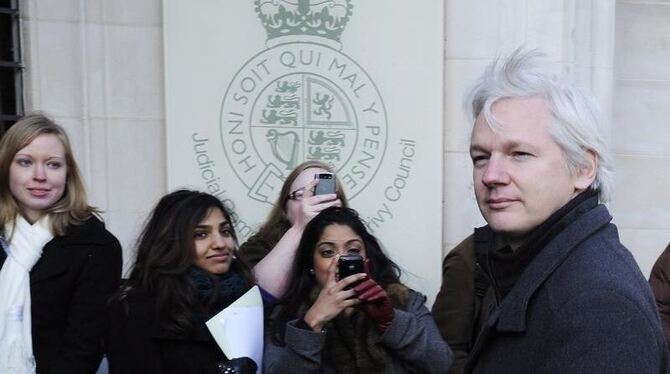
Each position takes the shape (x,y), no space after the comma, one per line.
(581,306)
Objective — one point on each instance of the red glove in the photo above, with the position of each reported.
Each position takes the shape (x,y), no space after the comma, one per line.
(376,303)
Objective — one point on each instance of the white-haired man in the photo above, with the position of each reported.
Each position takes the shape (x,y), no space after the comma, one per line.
(568,297)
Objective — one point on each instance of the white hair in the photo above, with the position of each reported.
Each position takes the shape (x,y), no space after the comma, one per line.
(576,126)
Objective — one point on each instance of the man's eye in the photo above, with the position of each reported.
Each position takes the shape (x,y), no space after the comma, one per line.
(479,160)
(520,155)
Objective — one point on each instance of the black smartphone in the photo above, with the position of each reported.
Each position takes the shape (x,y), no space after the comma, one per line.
(326,183)
(349,265)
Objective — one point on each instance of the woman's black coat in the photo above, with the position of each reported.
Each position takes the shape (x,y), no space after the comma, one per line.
(139,343)
(69,287)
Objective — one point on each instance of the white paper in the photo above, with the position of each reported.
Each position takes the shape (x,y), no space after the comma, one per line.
(238,329)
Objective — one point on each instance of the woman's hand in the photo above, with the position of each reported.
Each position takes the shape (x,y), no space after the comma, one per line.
(332,299)
(375,303)
(311,204)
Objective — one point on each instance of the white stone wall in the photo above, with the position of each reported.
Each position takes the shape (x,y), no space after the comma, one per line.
(96,66)
(641,127)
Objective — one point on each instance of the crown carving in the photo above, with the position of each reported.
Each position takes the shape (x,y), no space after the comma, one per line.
(299,18)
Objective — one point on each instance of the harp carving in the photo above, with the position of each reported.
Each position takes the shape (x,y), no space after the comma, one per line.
(284,146)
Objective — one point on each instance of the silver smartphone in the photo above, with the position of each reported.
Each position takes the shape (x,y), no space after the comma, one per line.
(327,183)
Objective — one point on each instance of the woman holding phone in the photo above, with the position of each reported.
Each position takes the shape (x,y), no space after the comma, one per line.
(186,272)
(363,323)
(272,249)
(61,264)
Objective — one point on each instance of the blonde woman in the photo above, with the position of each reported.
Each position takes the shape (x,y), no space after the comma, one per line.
(60,265)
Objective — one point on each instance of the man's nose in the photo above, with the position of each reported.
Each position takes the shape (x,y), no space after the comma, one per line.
(495,172)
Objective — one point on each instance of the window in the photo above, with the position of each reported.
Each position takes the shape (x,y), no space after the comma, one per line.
(11,83)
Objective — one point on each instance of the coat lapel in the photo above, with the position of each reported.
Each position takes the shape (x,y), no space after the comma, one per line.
(513,309)
(57,256)
(51,264)
(482,338)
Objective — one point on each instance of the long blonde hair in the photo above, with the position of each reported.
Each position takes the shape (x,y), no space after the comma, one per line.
(72,208)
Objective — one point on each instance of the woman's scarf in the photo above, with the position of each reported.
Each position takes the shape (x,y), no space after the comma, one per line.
(352,346)
(352,343)
(24,250)
(218,291)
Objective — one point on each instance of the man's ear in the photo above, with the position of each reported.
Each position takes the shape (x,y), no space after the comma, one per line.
(586,175)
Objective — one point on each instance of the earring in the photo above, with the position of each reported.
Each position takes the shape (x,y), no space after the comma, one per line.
(311,271)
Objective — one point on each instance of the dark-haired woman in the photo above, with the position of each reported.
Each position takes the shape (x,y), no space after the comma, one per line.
(272,249)
(186,271)
(61,264)
(322,326)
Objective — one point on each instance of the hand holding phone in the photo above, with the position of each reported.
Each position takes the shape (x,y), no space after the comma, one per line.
(333,298)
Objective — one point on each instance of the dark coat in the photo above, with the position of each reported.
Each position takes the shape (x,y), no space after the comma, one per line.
(69,286)
(659,280)
(412,342)
(139,343)
(581,306)
(454,307)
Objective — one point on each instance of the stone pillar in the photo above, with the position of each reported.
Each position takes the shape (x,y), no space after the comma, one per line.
(96,67)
